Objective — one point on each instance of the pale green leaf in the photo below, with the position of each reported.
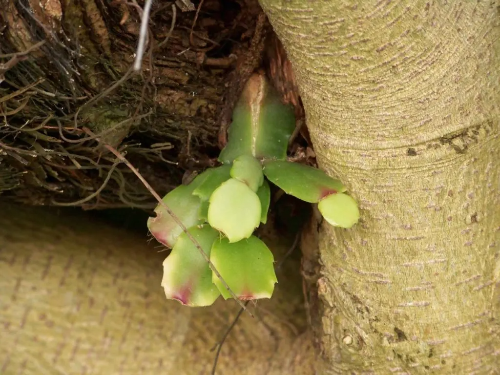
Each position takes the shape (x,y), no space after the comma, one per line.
(203,213)
(246,266)
(264,194)
(247,169)
(340,210)
(262,124)
(234,210)
(210,180)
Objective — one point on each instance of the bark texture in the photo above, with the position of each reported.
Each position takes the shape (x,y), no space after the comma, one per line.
(402,103)
(79,297)
(67,64)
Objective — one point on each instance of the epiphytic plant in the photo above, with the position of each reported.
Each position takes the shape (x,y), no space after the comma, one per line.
(222,206)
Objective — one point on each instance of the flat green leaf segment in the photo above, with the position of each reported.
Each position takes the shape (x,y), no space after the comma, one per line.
(208,181)
(185,206)
(303,182)
(246,266)
(248,170)
(187,277)
(339,210)
(277,123)
(264,194)
(234,210)
(261,126)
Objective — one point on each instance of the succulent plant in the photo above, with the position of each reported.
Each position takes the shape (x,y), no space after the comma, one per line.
(264,194)
(339,210)
(210,180)
(248,170)
(222,206)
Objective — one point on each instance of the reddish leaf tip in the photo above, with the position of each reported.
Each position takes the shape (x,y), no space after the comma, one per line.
(246,297)
(326,192)
(161,237)
(183,295)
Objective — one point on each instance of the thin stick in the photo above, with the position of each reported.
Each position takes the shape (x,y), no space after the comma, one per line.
(289,251)
(143,33)
(102,95)
(172,25)
(94,194)
(226,334)
(194,23)
(24,53)
(171,213)
(221,342)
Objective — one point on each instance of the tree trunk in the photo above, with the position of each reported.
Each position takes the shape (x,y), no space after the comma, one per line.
(402,103)
(81,297)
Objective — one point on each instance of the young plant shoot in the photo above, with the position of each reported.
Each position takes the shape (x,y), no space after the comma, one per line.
(224,205)
(234,210)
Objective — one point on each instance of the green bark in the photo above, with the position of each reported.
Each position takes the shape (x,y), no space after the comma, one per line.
(401,100)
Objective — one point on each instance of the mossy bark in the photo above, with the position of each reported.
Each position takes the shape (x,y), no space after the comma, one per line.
(402,103)
(79,296)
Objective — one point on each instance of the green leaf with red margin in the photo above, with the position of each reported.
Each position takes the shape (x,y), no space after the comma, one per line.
(246,266)
(187,277)
(184,205)
(234,210)
(306,183)
(264,194)
(262,124)
(339,210)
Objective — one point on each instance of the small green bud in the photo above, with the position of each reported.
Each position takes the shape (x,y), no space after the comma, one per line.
(235,210)
(339,210)
(247,169)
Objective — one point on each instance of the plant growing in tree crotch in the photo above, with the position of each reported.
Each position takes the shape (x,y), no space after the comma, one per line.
(223,206)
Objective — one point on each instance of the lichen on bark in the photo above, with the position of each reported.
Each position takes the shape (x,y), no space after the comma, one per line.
(401,101)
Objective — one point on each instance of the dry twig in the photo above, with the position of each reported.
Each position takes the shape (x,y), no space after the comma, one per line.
(233,324)
(143,34)
(226,334)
